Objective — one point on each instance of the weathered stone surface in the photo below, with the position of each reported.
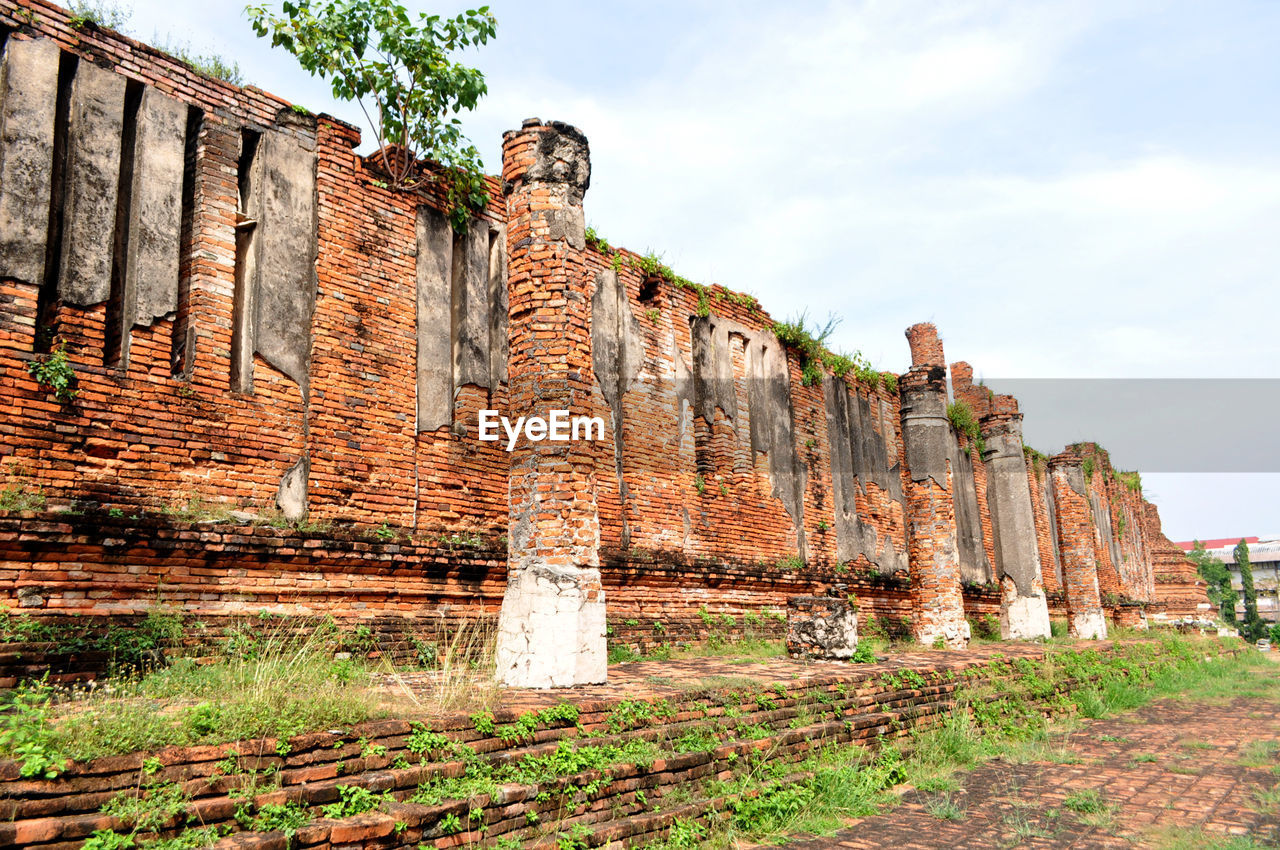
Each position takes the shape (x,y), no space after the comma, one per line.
(617,355)
(1024,610)
(712,368)
(975,567)
(773,429)
(94,127)
(155,209)
(285,244)
(499,343)
(821,627)
(858,456)
(435,357)
(551,632)
(291,497)
(28,101)
(471,308)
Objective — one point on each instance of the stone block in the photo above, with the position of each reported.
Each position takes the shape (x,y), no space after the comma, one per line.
(285,244)
(823,627)
(92,183)
(435,359)
(155,209)
(28,102)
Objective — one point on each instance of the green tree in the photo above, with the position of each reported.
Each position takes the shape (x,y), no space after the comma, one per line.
(400,73)
(1253,627)
(1218,577)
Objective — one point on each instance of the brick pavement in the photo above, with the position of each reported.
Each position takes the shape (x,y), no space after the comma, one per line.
(1177,773)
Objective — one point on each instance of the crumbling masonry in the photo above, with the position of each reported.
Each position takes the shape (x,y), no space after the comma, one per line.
(256,323)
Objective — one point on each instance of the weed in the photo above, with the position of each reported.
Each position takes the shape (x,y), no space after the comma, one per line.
(16,497)
(54,372)
(98,13)
(963,420)
(149,809)
(943,807)
(1088,801)
(355,800)
(208,64)
(287,817)
(25,733)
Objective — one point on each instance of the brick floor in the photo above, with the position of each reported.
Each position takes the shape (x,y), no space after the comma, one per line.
(1198,780)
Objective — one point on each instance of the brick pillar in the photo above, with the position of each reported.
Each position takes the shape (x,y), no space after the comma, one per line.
(1024,612)
(551,632)
(1075,547)
(933,554)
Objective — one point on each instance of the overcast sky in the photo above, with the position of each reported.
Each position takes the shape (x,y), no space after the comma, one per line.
(1068,190)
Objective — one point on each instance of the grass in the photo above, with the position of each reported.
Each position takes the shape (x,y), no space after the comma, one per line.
(1197,838)
(464,673)
(943,807)
(747,650)
(1088,801)
(271,678)
(1259,754)
(1267,800)
(282,688)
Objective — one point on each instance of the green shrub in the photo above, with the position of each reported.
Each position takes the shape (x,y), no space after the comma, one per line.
(54,372)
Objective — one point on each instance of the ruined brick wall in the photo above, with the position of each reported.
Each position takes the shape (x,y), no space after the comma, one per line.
(1043,511)
(1177,584)
(327,356)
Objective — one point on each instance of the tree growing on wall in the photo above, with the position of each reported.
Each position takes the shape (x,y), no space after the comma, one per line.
(1253,627)
(400,73)
(1218,579)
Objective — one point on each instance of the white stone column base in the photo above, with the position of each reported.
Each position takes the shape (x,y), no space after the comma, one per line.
(1024,618)
(551,632)
(1091,625)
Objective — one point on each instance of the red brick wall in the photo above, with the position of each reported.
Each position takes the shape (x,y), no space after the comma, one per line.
(138,441)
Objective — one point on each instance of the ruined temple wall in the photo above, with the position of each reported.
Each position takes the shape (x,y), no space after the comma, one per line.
(357,398)
(334,408)
(137,435)
(1177,584)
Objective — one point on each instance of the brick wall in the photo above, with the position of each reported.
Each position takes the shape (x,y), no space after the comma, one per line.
(716,450)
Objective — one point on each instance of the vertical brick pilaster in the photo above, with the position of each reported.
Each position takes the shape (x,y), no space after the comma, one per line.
(1076,547)
(1024,612)
(551,631)
(933,551)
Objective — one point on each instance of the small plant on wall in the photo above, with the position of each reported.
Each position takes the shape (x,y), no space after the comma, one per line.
(54,372)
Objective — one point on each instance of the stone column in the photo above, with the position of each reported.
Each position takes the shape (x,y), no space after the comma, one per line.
(933,553)
(1024,612)
(1075,547)
(551,632)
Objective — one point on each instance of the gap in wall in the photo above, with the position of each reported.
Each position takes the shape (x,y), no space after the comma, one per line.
(182,345)
(242,331)
(120,308)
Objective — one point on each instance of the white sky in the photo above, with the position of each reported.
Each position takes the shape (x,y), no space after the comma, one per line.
(1078,189)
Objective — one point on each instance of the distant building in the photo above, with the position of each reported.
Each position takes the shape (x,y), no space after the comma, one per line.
(1264,559)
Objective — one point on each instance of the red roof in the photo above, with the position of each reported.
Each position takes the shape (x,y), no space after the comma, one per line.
(1221,542)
